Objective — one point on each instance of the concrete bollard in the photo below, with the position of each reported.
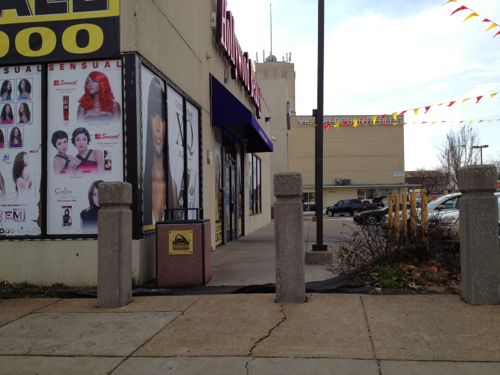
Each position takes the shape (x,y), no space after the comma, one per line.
(114,244)
(479,252)
(289,237)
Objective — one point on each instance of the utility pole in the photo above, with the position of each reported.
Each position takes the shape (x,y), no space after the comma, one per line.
(481,151)
(319,246)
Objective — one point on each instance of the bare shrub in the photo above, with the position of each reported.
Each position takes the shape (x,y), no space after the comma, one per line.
(373,246)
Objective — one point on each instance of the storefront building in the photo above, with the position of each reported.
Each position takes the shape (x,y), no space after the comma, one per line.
(158,94)
(363,156)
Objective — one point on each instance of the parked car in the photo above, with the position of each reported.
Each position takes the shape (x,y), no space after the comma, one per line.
(348,206)
(371,217)
(444,207)
(380,201)
(447,218)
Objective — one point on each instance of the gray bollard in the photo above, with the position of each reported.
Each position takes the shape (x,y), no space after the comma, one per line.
(114,243)
(479,252)
(288,228)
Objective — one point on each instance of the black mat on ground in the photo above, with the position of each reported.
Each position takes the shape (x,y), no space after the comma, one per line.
(339,284)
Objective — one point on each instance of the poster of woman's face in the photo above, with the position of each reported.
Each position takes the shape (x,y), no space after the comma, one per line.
(15,137)
(24,112)
(24,88)
(21,156)
(86,115)
(7,114)
(6,90)
(154,134)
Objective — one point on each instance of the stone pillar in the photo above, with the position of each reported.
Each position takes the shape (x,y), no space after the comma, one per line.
(114,244)
(479,252)
(288,228)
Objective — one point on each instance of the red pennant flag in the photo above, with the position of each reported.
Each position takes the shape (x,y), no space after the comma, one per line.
(402,112)
(463,7)
(480,121)
(427,108)
(478,98)
(451,103)
(346,123)
(498,33)
(486,20)
(326,126)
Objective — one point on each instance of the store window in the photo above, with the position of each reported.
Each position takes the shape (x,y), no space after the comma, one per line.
(255,179)
(309,201)
(170,152)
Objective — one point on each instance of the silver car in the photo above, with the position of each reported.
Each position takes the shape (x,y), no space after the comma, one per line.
(452,217)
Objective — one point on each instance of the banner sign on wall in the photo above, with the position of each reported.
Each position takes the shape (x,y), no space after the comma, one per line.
(85,141)
(20,150)
(47,30)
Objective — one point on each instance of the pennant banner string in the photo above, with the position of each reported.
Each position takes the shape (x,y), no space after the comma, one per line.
(472,14)
(427,108)
(381,121)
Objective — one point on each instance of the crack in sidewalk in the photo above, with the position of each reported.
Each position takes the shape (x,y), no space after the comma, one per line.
(247,364)
(283,318)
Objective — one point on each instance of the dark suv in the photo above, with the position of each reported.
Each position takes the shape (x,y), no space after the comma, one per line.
(347,206)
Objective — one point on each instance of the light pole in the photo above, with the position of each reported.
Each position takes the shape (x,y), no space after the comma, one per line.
(481,151)
(319,246)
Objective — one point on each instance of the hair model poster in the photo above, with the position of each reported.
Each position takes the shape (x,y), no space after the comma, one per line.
(85,141)
(20,150)
(176,146)
(155,180)
(193,159)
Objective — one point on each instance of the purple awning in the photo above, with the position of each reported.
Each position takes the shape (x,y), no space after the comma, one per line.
(230,114)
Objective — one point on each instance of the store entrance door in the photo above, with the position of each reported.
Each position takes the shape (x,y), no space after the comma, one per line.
(230,202)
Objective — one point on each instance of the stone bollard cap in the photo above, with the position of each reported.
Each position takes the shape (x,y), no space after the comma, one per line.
(287,184)
(115,193)
(477,178)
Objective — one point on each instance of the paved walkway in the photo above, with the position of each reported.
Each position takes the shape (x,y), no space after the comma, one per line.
(250,259)
(250,334)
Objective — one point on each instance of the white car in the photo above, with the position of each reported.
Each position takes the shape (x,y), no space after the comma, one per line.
(455,223)
(443,208)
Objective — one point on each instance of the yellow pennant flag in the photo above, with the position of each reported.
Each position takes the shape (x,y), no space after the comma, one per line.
(492,95)
(490,121)
(355,123)
(473,14)
(337,125)
(394,115)
(465,100)
(416,110)
(472,121)
(374,120)
(492,26)
(450,1)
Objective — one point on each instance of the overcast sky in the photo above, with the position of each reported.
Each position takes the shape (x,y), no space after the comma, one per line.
(385,56)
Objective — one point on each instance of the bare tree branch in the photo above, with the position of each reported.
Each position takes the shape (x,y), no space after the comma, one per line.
(457,152)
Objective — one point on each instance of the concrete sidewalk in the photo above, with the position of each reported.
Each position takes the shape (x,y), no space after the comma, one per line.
(250,334)
(250,259)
